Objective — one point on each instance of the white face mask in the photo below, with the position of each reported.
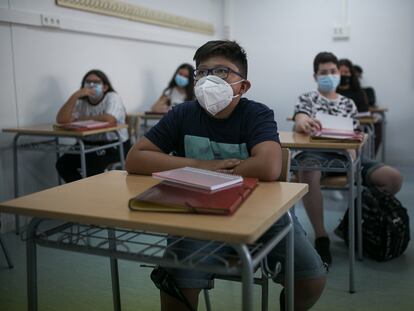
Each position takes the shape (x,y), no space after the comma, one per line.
(214,94)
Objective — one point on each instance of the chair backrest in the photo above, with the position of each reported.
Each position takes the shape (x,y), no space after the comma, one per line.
(132,122)
(284,173)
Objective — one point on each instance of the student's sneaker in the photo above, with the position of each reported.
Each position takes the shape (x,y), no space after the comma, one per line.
(322,247)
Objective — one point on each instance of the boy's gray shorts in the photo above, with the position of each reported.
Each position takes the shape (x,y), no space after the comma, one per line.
(307,263)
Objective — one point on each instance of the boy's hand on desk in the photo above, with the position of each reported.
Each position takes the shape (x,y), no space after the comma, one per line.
(226,165)
(308,125)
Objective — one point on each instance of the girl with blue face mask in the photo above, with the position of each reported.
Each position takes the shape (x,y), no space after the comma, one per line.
(95,100)
(179,89)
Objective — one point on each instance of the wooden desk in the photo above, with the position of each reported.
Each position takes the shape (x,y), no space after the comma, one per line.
(378,109)
(302,142)
(103,200)
(48,130)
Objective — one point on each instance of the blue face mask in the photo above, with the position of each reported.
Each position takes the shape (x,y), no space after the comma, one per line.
(98,89)
(181,80)
(328,83)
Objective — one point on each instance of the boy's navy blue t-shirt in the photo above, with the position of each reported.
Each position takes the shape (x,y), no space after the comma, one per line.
(188,131)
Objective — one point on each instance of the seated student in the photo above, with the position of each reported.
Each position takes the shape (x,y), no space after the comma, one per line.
(327,100)
(222,131)
(95,100)
(368,89)
(349,85)
(370,95)
(179,90)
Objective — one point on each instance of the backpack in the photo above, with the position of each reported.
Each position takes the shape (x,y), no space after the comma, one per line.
(385,225)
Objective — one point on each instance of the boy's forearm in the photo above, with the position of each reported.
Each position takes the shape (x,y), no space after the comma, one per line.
(256,168)
(146,162)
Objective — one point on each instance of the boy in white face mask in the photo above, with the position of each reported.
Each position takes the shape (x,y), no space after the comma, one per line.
(224,131)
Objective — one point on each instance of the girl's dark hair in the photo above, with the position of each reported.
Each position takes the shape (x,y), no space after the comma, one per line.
(323,58)
(101,76)
(355,85)
(189,89)
(230,50)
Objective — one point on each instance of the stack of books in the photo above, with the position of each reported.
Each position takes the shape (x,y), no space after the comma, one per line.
(192,190)
(336,128)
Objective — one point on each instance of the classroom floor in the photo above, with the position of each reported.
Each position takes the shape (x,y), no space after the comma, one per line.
(70,281)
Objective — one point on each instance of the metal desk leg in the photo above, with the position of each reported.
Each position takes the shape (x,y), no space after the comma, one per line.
(247,276)
(289,264)
(114,272)
(359,208)
(82,157)
(16,180)
(372,152)
(9,262)
(351,220)
(384,136)
(31,265)
(57,158)
(121,151)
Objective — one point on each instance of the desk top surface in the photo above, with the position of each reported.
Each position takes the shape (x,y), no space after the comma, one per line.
(148,115)
(368,119)
(50,130)
(103,200)
(302,141)
(378,109)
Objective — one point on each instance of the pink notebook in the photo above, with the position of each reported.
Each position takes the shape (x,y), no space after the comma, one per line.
(84,125)
(199,178)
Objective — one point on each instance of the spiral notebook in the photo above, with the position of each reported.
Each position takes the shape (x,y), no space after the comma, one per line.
(199,178)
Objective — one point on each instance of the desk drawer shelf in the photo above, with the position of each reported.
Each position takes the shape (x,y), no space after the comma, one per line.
(146,247)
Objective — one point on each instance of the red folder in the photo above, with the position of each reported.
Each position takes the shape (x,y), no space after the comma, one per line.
(167,197)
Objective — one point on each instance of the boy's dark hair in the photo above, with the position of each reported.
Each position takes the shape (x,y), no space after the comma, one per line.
(101,76)
(323,58)
(230,50)
(189,89)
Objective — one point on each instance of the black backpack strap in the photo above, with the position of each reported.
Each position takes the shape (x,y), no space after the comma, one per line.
(166,283)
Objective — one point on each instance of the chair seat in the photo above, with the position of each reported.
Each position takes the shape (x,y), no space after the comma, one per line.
(340,181)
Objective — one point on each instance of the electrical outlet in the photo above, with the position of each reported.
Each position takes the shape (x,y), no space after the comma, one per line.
(341,32)
(48,20)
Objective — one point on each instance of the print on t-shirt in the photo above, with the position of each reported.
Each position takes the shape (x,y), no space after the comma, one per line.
(203,148)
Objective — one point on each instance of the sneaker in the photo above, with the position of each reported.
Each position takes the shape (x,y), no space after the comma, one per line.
(322,247)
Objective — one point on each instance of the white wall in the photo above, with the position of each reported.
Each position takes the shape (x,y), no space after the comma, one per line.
(282,37)
(42,67)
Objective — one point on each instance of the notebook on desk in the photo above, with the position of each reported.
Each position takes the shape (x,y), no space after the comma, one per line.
(336,128)
(199,178)
(168,197)
(84,125)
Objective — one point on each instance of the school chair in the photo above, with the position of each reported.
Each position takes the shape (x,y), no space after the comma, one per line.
(132,122)
(265,272)
(133,127)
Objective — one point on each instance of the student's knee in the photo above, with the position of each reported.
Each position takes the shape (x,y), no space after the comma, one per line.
(307,292)
(387,178)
